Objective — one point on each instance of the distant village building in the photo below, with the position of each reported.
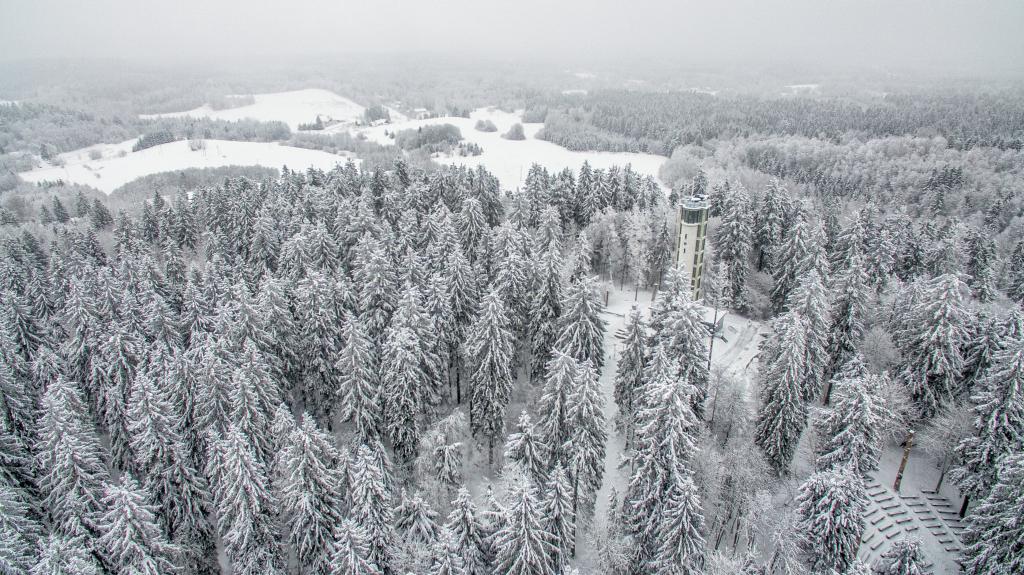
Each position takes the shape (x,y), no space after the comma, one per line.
(690,238)
(421,114)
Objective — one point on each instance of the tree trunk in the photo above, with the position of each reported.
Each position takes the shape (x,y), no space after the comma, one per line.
(711,346)
(828,391)
(575,510)
(714,406)
(963,508)
(458,382)
(942,473)
(736,535)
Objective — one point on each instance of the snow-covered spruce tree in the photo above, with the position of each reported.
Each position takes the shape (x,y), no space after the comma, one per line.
(733,242)
(681,551)
(168,475)
(849,434)
(132,540)
(998,423)
(665,430)
(79,321)
(444,335)
(789,262)
(1015,274)
(905,557)
(563,373)
(472,228)
(350,554)
(69,459)
(371,505)
(245,506)
(523,545)
(320,323)
(981,251)
(580,264)
(309,491)
(560,516)
(848,311)
(581,329)
(60,555)
(511,262)
(526,448)
(411,314)
(16,465)
(359,386)
(630,369)
(810,299)
(769,220)
(254,396)
(467,529)
(994,538)
(545,311)
(404,392)
(19,531)
(464,292)
(208,368)
(115,366)
(16,401)
(682,333)
(275,308)
(23,323)
(782,415)
(830,511)
(987,335)
(585,448)
(445,556)
(416,520)
(490,345)
(375,277)
(931,339)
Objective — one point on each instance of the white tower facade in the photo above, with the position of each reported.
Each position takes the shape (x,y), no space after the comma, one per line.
(690,239)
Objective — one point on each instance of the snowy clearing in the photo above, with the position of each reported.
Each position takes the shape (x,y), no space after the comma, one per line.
(510,160)
(293,108)
(114,170)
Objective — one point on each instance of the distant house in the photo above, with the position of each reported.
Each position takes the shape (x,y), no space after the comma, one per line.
(421,114)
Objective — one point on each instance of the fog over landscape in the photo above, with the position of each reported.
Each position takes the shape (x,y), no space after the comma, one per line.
(511,288)
(938,35)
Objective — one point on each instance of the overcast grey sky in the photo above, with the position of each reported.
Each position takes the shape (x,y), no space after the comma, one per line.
(965,36)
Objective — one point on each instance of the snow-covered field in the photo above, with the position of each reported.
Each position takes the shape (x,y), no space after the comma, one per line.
(114,170)
(294,108)
(510,160)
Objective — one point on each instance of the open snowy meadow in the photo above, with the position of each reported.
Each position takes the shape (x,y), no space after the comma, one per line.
(510,160)
(293,108)
(119,165)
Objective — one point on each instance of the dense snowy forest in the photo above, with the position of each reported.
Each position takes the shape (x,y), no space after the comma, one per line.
(461,334)
(301,374)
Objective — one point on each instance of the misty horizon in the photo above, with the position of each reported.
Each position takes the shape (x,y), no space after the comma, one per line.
(937,38)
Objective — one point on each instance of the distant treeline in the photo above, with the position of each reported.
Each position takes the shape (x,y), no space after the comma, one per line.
(658,122)
(29,129)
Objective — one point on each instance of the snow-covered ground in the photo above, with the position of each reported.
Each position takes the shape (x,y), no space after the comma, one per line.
(510,160)
(114,170)
(294,108)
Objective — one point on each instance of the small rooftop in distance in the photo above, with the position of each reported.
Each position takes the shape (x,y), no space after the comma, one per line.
(696,203)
